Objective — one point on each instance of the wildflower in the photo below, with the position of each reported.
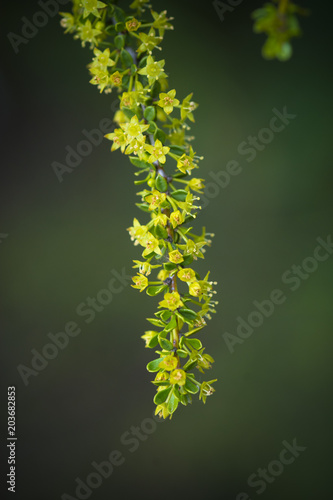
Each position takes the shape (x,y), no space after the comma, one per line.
(141,282)
(155,199)
(186,274)
(153,70)
(137,232)
(134,129)
(196,184)
(87,33)
(133,24)
(178,376)
(176,218)
(171,301)
(168,101)
(157,152)
(151,244)
(91,7)
(169,363)
(195,289)
(116,79)
(145,267)
(176,257)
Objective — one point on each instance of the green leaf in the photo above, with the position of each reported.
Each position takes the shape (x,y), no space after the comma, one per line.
(188,314)
(191,387)
(190,364)
(161,183)
(156,322)
(179,194)
(162,395)
(185,399)
(172,404)
(177,150)
(129,113)
(165,344)
(195,343)
(171,325)
(165,315)
(155,290)
(149,113)
(139,163)
(160,135)
(119,41)
(120,27)
(161,232)
(126,58)
(188,259)
(153,366)
(181,353)
(176,393)
(143,206)
(153,342)
(169,266)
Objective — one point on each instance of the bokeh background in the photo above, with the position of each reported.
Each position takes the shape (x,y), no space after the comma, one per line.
(65,239)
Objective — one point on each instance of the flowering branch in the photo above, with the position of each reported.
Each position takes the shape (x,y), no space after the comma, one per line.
(152,131)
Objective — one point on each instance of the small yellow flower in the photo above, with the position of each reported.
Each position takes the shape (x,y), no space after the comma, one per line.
(168,101)
(118,138)
(185,164)
(176,257)
(151,244)
(157,152)
(169,363)
(186,274)
(134,129)
(137,232)
(171,301)
(155,199)
(144,267)
(116,79)
(176,218)
(196,184)
(133,24)
(141,282)
(178,376)
(161,219)
(195,289)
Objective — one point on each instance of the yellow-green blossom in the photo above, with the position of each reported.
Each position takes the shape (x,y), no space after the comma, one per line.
(171,301)
(153,70)
(157,152)
(195,289)
(134,129)
(176,218)
(196,184)
(168,101)
(155,199)
(178,376)
(133,24)
(176,257)
(145,267)
(161,219)
(141,282)
(169,363)
(151,244)
(87,33)
(116,79)
(119,139)
(137,232)
(187,274)
(91,7)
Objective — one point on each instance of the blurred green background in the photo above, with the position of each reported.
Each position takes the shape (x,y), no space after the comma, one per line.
(65,239)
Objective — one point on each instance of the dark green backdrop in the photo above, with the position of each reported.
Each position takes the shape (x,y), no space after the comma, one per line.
(64,241)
